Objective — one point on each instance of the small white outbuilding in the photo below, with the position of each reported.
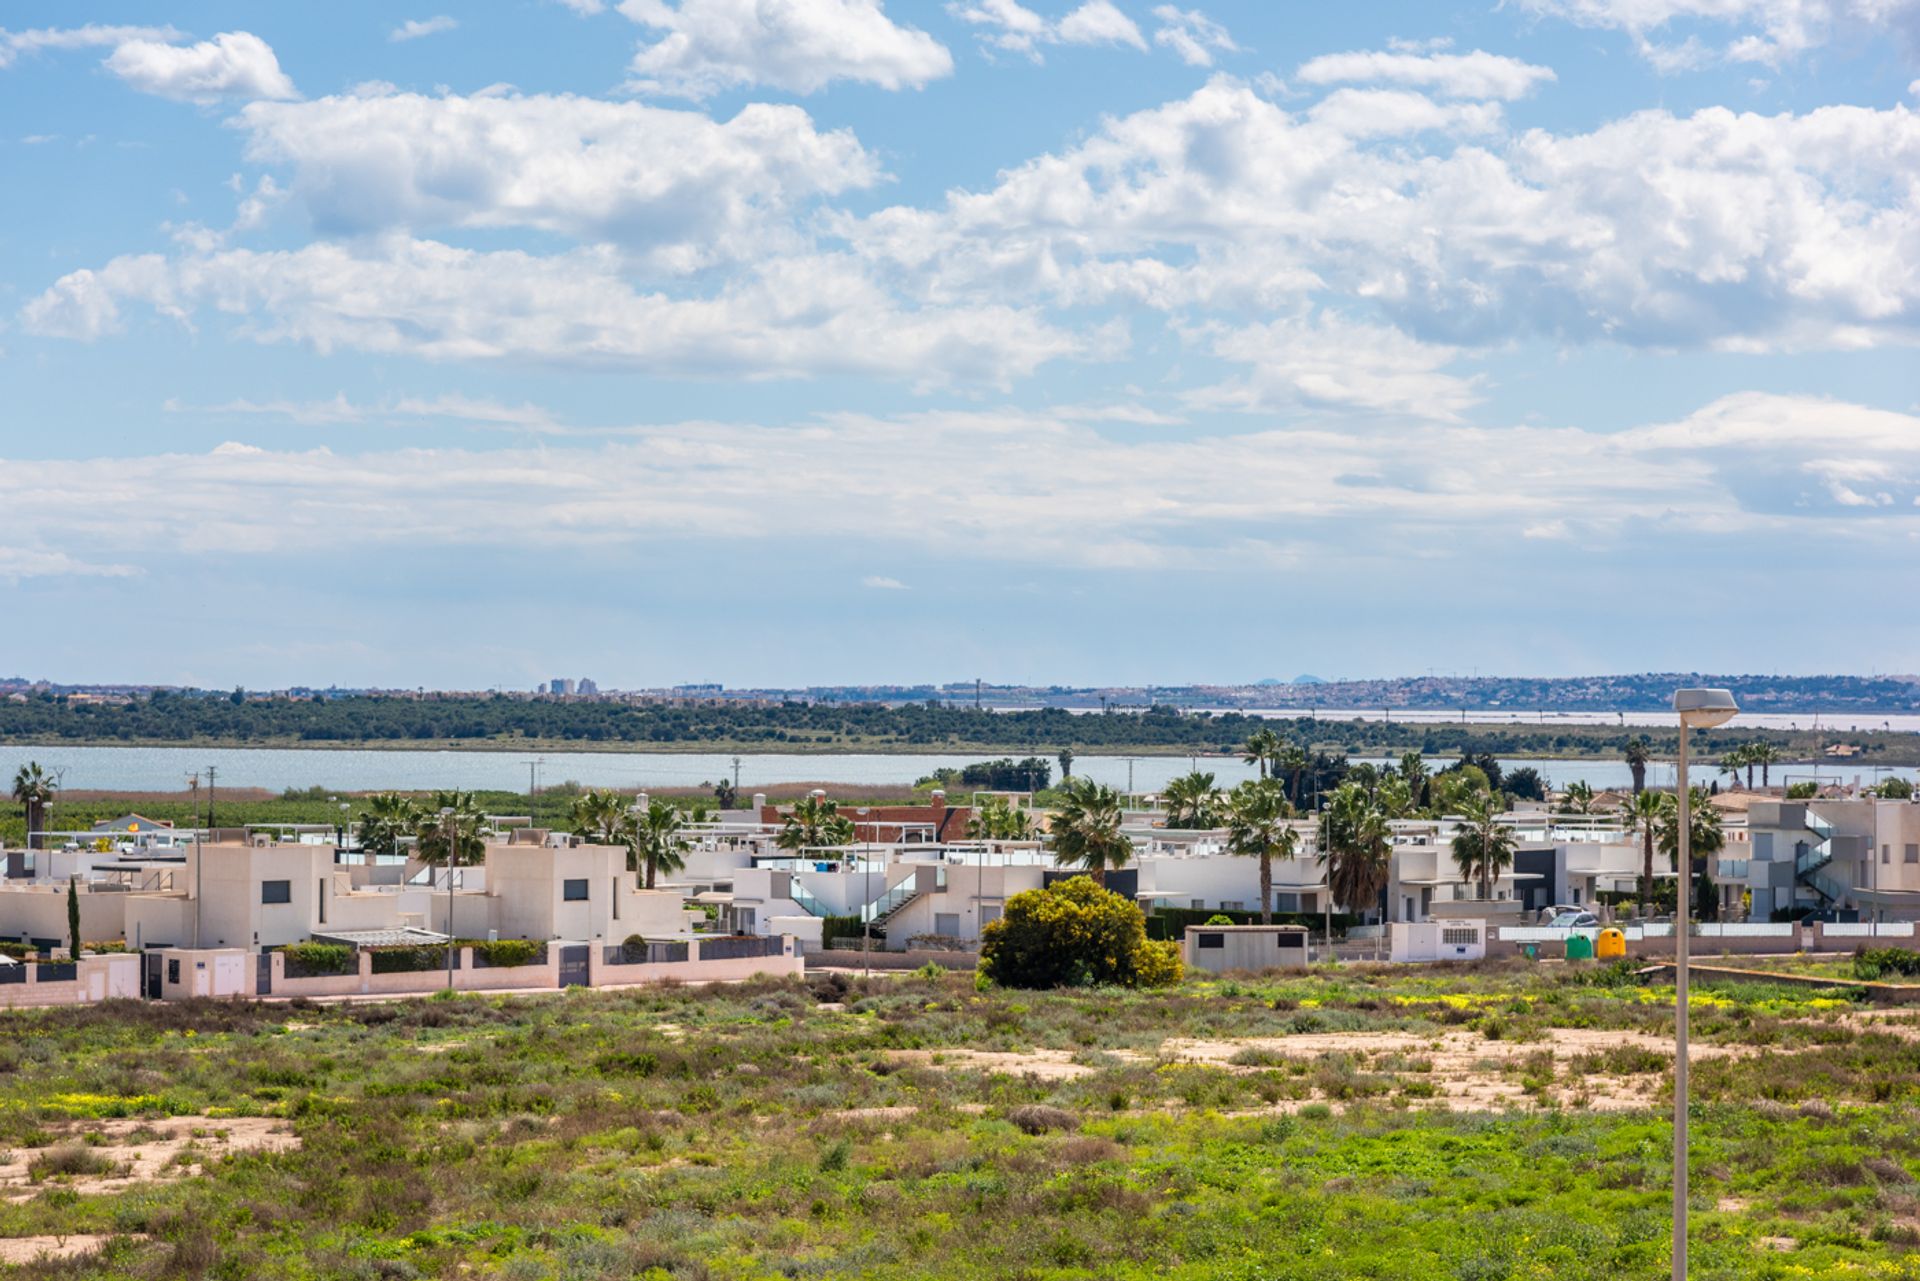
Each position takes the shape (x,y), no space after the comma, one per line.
(1219,948)
(1464,940)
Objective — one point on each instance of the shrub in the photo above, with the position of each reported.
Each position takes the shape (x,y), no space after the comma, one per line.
(1074,934)
(67,1161)
(502,954)
(318,960)
(1219,918)
(1882,962)
(409,958)
(1038,1118)
(838,927)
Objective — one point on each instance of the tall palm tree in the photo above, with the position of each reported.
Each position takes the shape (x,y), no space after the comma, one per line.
(454,840)
(1766,756)
(1065,757)
(1393,796)
(1355,844)
(1086,830)
(1705,837)
(653,839)
(599,815)
(1192,801)
(1643,811)
(1483,847)
(1260,825)
(1260,748)
(1637,755)
(34,788)
(1294,762)
(813,822)
(1413,768)
(387,820)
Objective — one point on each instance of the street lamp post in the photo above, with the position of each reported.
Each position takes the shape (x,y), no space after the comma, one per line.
(450,832)
(866,913)
(1697,709)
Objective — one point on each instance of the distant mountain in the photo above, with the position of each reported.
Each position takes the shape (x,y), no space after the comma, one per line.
(1308,680)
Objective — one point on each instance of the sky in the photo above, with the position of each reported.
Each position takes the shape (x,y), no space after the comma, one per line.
(786,342)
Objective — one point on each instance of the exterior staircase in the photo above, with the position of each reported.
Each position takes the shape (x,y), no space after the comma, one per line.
(1810,860)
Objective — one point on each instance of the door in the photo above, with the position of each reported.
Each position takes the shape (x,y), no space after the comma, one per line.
(263,978)
(573,966)
(153,963)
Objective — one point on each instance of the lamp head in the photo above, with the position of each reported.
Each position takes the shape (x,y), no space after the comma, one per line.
(446,811)
(1704,708)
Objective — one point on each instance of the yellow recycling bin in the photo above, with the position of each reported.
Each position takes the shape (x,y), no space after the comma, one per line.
(1611,945)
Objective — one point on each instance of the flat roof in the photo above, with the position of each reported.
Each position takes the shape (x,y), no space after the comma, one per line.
(405,934)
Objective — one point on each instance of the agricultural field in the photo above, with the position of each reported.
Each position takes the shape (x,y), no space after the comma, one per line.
(1480,1123)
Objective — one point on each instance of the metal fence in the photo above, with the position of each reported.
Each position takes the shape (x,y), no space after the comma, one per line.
(646,953)
(738,948)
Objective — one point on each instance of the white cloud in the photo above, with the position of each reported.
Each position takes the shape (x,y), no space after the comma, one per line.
(881,583)
(340,410)
(1192,35)
(684,188)
(1764,31)
(585,8)
(234,64)
(1014,27)
(414,28)
(1330,360)
(1468,75)
(92,36)
(799,45)
(1716,229)
(1036,490)
(17,563)
(787,318)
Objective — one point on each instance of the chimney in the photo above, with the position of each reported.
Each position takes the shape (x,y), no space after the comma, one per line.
(759,801)
(939,801)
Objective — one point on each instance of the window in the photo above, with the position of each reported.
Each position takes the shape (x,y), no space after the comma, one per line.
(1455,935)
(1912,854)
(320,896)
(276,891)
(1886,853)
(613,895)
(1213,940)
(947,924)
(173,973)
(988,915)
(1232,905)
(573,891)
(1198,904)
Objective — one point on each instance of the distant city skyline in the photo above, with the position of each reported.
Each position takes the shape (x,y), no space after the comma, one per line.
(1100,341)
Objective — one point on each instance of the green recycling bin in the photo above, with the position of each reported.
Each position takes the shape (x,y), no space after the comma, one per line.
(1579,947)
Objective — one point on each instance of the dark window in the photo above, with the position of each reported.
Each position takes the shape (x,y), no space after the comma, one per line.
(173,974)
(1213,940)
(276,891)
(574,891)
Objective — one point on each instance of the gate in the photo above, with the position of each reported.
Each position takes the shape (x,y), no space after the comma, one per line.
(153,963)
(573,966)
(263,980)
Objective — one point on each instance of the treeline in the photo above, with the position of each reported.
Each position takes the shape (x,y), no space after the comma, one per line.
(173,718)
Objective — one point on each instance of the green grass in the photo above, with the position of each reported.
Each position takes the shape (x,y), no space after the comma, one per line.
(766,1130)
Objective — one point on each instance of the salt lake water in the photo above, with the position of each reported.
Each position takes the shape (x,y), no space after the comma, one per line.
(166,769)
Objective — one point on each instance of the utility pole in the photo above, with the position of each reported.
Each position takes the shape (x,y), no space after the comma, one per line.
(976,693)
(533,783)
(736,774)
(210,777)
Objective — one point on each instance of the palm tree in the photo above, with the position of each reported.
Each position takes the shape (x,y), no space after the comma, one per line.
(1086,830)
(813,822)
(1578,798)
(1192,801)
(1637,756)
(1393,796)
(1294,762)
(1644,811)
(1704,838)
(458,845)
(599,815)
(34,789)
(1260,825)
(388,819)
(998,819)
(1483,847)
(653,839)
(1260,748)
(1766,756)
(1413,768)
(1355,842)
(1066,763)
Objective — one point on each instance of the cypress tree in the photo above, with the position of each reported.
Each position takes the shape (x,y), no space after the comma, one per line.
(73,917)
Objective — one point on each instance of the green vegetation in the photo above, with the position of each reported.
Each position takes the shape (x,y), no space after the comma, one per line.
(842,1128)
(1074,934)
(517,723)
(318,960)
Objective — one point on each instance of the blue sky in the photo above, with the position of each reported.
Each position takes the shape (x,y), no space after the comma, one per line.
(1088,342)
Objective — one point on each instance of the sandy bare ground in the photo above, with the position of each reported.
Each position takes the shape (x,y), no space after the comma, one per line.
(1467,1071)
(35,1249)
(147,1151)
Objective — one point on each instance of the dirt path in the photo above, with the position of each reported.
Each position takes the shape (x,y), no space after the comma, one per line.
(141,1151)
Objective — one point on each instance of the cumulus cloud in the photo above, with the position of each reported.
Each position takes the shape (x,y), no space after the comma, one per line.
(1012,26)
(1467,75)
(234,64)
(786,318)
(91,36)
(709,46)
(685,189)
(1717,229)
(1330,360)
(414,28)
(1763,31)
(1037,490)
(1192,35)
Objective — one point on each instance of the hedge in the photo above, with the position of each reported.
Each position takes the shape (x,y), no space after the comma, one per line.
(838,927)
(409,958)
(319,960)
(1170,923)
(505,954)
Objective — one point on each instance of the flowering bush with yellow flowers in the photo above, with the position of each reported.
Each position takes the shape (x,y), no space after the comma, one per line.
(1075,933)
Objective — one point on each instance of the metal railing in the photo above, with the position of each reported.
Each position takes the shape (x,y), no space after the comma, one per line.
(737,948)
(877,912)
(651,952)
